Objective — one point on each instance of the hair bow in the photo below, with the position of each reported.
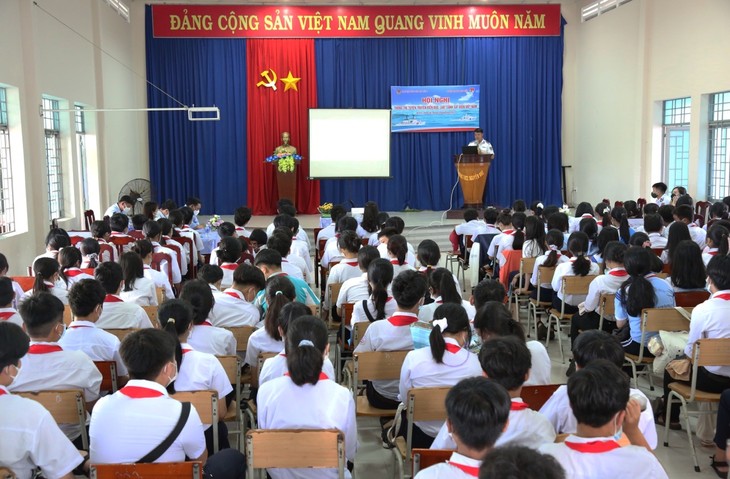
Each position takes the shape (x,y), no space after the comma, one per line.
(442,324)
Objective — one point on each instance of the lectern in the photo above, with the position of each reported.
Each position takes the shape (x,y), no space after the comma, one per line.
(473,171)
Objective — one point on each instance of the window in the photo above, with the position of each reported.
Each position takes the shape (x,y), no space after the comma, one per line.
(594,9)
(675,157)
(7,204)
(81,146)
(719,160)
(52,127)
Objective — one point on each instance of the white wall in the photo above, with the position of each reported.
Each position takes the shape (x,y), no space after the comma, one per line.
(44,57)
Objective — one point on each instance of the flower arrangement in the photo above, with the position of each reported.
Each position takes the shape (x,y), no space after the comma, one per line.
(284,162)
(325,209)
(214,222)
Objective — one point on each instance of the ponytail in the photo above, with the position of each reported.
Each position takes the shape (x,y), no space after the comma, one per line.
(143,248)
(621,216)
(279,292)
(494,319)
(175,316)
(305,347)
(719,236)
(456,320)
(380,275)
(68,257)
(554,241)
(518,240)
(442,280)
(89,247)
(398,247)
(578,245)
(132,269)
(428,254)
(637,292)
(44,269)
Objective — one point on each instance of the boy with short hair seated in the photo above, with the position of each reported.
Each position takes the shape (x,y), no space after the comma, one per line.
(520,462)
(599,398)
(117,313)
(477,411)
(7,298)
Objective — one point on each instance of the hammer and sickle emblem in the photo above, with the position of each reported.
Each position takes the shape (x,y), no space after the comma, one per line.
(269,83)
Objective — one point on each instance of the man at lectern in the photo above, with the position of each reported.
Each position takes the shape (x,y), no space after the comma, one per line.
(485,148)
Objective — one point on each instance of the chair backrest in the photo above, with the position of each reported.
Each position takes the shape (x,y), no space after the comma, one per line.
(121,333)
(106,251)
(427,404)
(206,403)
(700,220)
(689,299)
(347,309)
(544,275)
(667,268)
(577,284)
(334,291)
(232,366)
(536,396)
(711,352)
(67,315)
(319,448)
(640,203)
(664,319)
(75,240)
(160,294)
(157,259)
(657,251)
(25,282)
(152,314)
(188,246)
(66,407)
(320,247)
(157,470)
(378,365)
(527,265)
(121,242)
(423,458)
(256,371)
(241,333)
(701,208)
(607,304)
(138,235)
(358,331)
(89,217)
(179,252)
(108,370)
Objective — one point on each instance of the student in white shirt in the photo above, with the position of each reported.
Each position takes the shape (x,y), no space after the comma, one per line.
(477,411)
(688,269)
(506,361)
(337,212)
(717,243)
(504,224)
(69,259)
(685,214)
(357,289)
(195,205)
(182,253)
(101,232)
(300,246)
(398,254)
(119,224)
(520,462)
(225,230)
(181,222)
(137,288)
(444,363)
(534,244)
(7,297)
(494,320)
(86,299)
(47,366)
(659,193)
(30,436)
(279,291)
(470,227)
(291,264)
(393,333)
(349,245)
(56,239)
(234,306)
(241,217)
(579,265)
(552,258)
(653,226)
(204,336)
(331,249)
(599,399)
(118,313)
(4,267)
(584,210)
(379,305)
(196,370)
(320,402)
(443,290)
(604,237)
(229,252)
(257,241)
(153,232)
(46,279)
(89,248)
(487,290)
(144,249)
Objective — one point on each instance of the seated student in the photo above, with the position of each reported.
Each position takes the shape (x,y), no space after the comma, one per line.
(667,214)
(181,221)
(241,217)
(321,403)
(291,264)
(337,212)
(584,210)
(349,245)
(477,411)
(144,249)
(195,205)
(599,398)
(578,265)
(659,193)
(47,366)
(165,208)
(591,346)
(444,363)
(276,367)
(722,433)
(604,237)
(269,262)
(331,249)
(552,258)
(279,291)
(153,232)
(8,313)
(504,224)
(117,313)
(69,259)
(717,243)
(487,290)
(393,333)
(494,320)
(89,248)
(559,221)
(246,256)
(506,361)
(678,232)
(369,223)
(394,225)
(299,246)
(229,252)
(688,269)
(170,240)
(4,267)
(56,239)
(150,210)
(130,424)
(653,226)
(212,275)
(589,226)
(204,336)
(470,227)
(257,241)
(608,283)
(101,232)
(196,370)
(137,288)
(685,214)
(124,205)
(383,217)
(379,305)
(443,290)
(138,222)
(86,299)
(30,437)
(534,244)
(119,224)
(46,279)
(398,254)
(490,219)
(225,230)
(513,240)
(618,218)
(519,462)
(234,306)
(357,289)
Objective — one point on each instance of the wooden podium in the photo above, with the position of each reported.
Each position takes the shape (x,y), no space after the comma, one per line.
(473,171)
(287,184)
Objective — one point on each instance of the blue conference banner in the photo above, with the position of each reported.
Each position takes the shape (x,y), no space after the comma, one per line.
(434,108)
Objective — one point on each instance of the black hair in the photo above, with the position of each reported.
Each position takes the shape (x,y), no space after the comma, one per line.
(620,215)
(337,212)
(651,209)
(578,246)
(537,208)
(428,253)
(192,200)
(132,269)
(637,292)
(506,360)
(4,266)
(268,257)
(478,410)
(14,344)
(684,212)
(718,270)
(606,236)
(370,217)
(380,275)
(535,231)
(177,218)
(148,210)
(146,352)
(595,344)
(90,247)
(718,234)
(242,215)
(44,269)
(259,236)
(685,200)
(210,273)
(119,222)
(602,210)
(660,186)
(58,238)
(558,221)
(667,213)
(397,223)
(550,210)
(306,342)
(7,293)
(143,248)
(614,252)
(168,204)
(279,291)
(688,269)
(245,274)
(639,239)
(457,321)
(165,226)
(470,214)
(488,290)
(68,257)
(198,295)
(442,283)
(387,231)
(125,199)
(110,275)
(187,214)
(229,250)
(554,238)
(288,209)
(279,242)
(398,247)
(367,255)
(518,223)
(677,232)
(139,220)
(349,241)
(151,229)
(520,462)
(289,313)
(505,217)
(41,312)
(589,226)
(175,316)
(280,220)
(409,288)
(494,319)
(653,223)
(519,206)
(718,210)
(490,215)
(84,296)
(99,229)
(598,392)
(226,229)
(478,130)
(346,223)
(632,209)
(584,208)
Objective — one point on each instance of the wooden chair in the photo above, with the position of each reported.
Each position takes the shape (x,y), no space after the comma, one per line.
(138,235)
(571,285)
(690,299)
(657,251)
(106,251)
(706,352)
(155,470)
(655,319)
(67,315)
(527,265)
(375,366)
(232,366)
(241,333)
(358,331)
(536,396)
(152,314)
(108,370)
(160,294)
(606,308)
(544,275)
(640,203)
(25,282)
(179,253)
(75,240)
(333,292)
(699,220)
(255,373)
(423,458)
(305,448)
(206,403)
(89,217)
(342,344)
(701,209)
(66,407)
(667,268)
(121,333)
(317,257)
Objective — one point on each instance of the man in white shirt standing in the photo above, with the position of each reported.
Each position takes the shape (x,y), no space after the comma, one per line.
(484,147)
(659,193)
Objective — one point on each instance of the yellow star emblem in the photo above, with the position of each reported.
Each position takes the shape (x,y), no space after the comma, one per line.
(290,82)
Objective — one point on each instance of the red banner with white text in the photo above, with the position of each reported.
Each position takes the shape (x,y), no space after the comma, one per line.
(263,21)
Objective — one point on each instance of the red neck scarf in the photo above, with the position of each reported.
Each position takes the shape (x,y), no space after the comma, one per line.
(593,446)
(453,348)
(233,295)
(110,298)
(518,406)
(621,273)
(229,266)
(472,471)
(205,323)
(138,392)
(6,315)
(2,391)
(322,376)
(76,326)
(71,272)
(402,320)
(44,348)
(725,296)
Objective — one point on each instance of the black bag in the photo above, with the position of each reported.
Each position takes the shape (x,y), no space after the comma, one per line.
(623,333)
(155,454)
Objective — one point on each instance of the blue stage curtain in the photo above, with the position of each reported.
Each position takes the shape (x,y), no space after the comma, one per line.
(207,158)
(520,111)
